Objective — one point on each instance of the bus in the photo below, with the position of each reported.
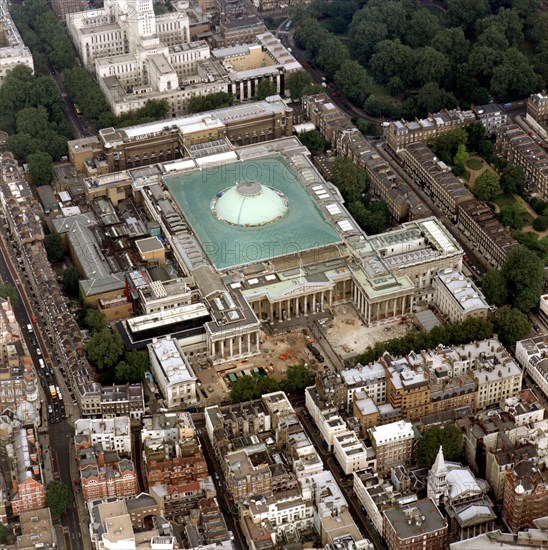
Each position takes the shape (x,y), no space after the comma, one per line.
(53,392)
(288,25)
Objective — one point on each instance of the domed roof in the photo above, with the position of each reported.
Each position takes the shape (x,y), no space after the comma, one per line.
(249,203)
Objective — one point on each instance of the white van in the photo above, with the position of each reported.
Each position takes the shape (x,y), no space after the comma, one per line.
(30,329)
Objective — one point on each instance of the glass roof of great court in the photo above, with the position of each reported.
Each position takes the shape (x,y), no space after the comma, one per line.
(302,227)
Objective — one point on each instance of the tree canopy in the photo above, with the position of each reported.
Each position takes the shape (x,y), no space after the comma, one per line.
(58,498)
(298,377)
(9,292)
(300,84)
(486,186)
(40,167)
(54,247)
(199,104)
(104,350)
(314,142)
(428,445)
(510,325)
(265,89)
(451,334)
(459,57)
(71,281)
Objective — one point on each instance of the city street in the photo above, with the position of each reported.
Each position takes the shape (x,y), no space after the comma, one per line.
(59,436)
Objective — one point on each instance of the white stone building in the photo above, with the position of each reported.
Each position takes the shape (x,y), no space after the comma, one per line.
(114,434)
(458,297)
(368,378)
(350,452)
(173,373)
(532,355)
(13,51)
(495,371)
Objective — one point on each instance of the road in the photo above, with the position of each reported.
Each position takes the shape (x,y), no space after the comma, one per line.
(78,128)
(227,507)
(60,435)
(331,464)
(475,260)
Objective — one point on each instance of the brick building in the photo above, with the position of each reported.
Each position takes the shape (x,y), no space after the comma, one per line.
(525,495)
(415,527)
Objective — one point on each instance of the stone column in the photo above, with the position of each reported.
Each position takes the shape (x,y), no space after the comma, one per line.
(222,349)
(241,90)
(314,303)
(249,93)
(270,312)
(239,345)
(248,343)
(257,341)
(297,309)
(231,347)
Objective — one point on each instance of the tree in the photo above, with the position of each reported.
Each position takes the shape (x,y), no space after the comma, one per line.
(32,121)
(428,446)
(132,369)
(364,37)
(446,146)
(198,104)
(265,89)
(40,167)
(94,320)
(9,292)
(475,133)
(379,107)
(512,179)
(244,389)
(314,142)
(351,180)
(54,247)
(540,224)
(494,288)
(105,349)
(71,281)
(3,534)
(392,58)
(465,13)
(298,378)
(510,325)
(58,498)
(351,79)
(486,186)
(431,98)
(451,334)
(298,84)
(523,272)
(482,62)
(422,28)
(430,66)
(514,77)
(453,44)
(461,155)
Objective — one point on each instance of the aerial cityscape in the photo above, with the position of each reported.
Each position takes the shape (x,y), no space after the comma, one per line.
(273,274)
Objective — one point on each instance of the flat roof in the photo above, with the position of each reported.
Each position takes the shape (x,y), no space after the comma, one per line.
(303,227)
(463,290)
(172,362)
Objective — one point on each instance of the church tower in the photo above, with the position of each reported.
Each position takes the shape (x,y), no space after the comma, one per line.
(437,488)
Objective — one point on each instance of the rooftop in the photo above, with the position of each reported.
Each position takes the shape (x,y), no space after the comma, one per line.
(302,227)
(417,520)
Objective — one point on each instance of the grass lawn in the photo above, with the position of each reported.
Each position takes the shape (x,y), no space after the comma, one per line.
(466,175)
(378,90)
(474,164)
(504,199)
